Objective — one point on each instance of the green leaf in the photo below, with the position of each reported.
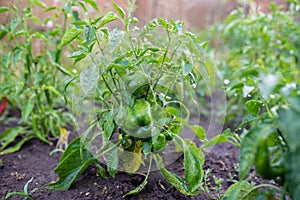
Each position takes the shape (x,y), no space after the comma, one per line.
(73,162)
(109,17)
(253,107)
(173,179)
(138,189)
(164,23)
(159,142)
(52,89)
(119,10)
(249,145)
(27,109)
(193,161)
(89,78)
(215,140)
(113,162)
(69,36)
(108,125)
(289,120)
(239,190)
(187,69)
(293,176)
(93,4)
(9,135)
(89,34)
(210,68)
(3,9)
(62,69)
(247,152)
(199,131)
(16,147)
(39,3)
(26,185)
(246,120)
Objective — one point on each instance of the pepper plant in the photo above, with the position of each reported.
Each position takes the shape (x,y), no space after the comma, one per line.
(141,82)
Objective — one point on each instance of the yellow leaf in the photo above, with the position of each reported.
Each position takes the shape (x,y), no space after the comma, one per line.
(132,158)
(63,138)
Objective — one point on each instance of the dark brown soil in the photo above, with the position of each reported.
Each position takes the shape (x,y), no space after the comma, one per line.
(35,161)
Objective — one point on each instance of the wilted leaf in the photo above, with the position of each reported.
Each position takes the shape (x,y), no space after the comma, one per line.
(132,158)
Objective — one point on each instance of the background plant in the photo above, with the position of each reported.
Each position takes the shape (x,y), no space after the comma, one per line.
(259,56)
(33,71)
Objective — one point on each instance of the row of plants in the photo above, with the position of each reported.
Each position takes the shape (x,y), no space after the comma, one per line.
(135,89)
(259,59)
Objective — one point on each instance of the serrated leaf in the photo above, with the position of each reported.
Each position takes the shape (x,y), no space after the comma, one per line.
(199,131)
(3,9)
(9,135)
(253,107)
(69,36)
(239,190)
(27,109)
(119,10)
(74,161)
(89,78)
(193,161)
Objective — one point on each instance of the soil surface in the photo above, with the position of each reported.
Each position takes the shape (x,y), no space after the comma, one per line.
(34,160)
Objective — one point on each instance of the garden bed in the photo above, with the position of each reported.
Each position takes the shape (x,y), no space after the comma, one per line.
(35,161)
